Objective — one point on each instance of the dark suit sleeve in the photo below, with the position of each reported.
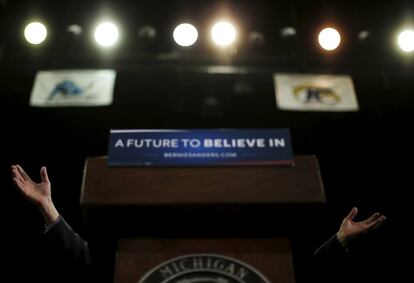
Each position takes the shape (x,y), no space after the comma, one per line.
(329,261)
(62,237)
(330,250)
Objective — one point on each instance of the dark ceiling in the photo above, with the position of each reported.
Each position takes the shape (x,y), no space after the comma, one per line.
(382,19)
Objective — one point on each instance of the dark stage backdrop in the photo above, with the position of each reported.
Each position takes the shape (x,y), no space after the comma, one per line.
(364,156)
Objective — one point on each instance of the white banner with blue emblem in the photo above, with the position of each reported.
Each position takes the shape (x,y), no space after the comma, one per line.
(60,88)
(307,92)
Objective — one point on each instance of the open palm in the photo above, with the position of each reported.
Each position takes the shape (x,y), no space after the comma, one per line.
(35,192)
(351,229)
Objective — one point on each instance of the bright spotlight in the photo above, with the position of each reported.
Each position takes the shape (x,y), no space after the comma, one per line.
(223,33)
(106,34)
(329,39)
(35,33)
(406,40)
(185,34)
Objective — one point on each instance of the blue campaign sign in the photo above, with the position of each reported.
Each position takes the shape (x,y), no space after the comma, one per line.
(197,147)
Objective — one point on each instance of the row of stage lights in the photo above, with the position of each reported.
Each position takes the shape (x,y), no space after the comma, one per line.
(223,34)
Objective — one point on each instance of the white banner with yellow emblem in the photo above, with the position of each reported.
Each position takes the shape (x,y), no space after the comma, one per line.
(306,92)
(59,88)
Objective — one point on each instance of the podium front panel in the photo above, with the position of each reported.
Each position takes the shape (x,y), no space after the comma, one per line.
(259,260)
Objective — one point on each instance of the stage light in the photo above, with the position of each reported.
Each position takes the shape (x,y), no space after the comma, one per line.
(35,33)
(106,34)
(287,32)
(223,33)
(364,35)
(256,38)
(406,40)
(75,29)
(329,39)
(147,33)
(185,34)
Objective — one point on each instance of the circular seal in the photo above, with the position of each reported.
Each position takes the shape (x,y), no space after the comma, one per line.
(203,268)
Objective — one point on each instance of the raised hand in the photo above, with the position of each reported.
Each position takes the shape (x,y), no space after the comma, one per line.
(351,229)
(38,193)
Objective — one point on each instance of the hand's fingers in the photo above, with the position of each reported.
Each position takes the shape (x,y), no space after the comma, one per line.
(15,171)
(352,214)
(19,170)
(20,178)
(16,174)
(375,224)
(43,174)
(372,218)
(16,181)
(19,184)
(23,173)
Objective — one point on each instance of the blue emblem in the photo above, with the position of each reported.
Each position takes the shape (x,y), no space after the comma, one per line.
(66,88)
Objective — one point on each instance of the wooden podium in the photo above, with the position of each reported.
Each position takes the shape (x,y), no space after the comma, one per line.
(198,224)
